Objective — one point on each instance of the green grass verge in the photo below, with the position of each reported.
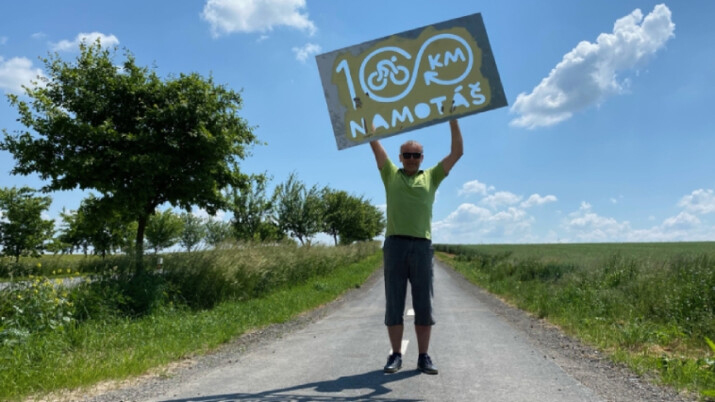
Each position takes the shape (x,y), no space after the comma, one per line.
(82,355)
(650,306)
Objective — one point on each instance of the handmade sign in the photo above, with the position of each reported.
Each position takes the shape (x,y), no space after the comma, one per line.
(410,80)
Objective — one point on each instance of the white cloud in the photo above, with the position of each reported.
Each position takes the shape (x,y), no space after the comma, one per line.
(309,49)
(16,72)
(38,35)
(587,226)
(229,16)
(475,187)
(699,201)
(471,223)
(89,38)
(501,198)
(536,199)
(587,75)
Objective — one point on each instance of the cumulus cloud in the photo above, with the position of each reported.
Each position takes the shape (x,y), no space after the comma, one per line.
(475,187)
(309,49)
(699,201)
(585,225)
(500,198)
(89,38)
(471,223)
(16,72)
(229,16)
(536,199)
(587,75)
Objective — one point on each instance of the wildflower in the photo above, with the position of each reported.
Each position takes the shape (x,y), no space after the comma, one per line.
(54,272)
(19,297)
(39,265)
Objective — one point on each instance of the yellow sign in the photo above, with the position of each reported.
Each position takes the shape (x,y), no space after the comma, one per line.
(410,80)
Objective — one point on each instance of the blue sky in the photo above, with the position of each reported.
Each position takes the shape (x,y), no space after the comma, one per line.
(608,136)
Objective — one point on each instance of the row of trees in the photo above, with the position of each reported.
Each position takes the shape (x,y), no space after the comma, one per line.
(140,142)
(293,210)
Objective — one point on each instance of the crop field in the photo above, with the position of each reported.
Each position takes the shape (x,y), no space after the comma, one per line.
(649,305)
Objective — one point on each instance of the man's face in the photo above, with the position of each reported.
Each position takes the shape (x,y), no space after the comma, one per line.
(411,164)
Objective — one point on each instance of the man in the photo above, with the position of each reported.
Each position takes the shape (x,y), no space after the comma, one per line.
(407,252)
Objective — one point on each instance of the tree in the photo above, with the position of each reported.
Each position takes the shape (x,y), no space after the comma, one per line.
(164,230)
(138,140)
(103,228)
(23,232)
(71,232)
(194,231)
(217,232)
(298,210)
(251,210)
(350,218)
(365,223)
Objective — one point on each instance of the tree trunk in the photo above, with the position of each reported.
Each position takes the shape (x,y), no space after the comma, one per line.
(139,246)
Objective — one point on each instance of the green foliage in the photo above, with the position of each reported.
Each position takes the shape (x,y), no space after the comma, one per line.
(23,232)
(634,299)
(217,232)
(251,212)
(298,210)
(139,140)
(33,306)
(193,231)
(163,230)
(241,273)
(350,218)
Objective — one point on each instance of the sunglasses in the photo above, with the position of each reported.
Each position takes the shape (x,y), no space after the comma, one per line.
(414,155)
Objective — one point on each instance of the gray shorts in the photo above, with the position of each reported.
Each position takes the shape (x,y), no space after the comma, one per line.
(408,259)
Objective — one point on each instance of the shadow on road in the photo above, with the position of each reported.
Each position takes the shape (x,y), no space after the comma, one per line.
(373,380)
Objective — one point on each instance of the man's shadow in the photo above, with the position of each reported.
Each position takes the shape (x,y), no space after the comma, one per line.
(373,380)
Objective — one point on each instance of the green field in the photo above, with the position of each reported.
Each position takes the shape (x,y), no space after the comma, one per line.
(649,305)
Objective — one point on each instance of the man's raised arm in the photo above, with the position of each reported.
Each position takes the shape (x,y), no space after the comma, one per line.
(457,147)
(380,154)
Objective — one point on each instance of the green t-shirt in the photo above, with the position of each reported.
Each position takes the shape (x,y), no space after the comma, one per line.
(410,199)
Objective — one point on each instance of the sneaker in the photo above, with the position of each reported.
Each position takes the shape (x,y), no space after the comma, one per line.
(394,363)
(424,364)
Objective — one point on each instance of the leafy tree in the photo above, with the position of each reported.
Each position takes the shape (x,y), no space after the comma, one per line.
(251,211)
(299,210)
(350,218)
(365,223)
(71,232)
(217,232)
(163,230)
(139,140)
(104,228)
(23,232)
(194,231)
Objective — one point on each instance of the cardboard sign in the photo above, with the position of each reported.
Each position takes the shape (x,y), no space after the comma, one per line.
(410,80)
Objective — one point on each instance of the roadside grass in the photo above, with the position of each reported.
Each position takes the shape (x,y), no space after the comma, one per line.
(113,335)
(650,306)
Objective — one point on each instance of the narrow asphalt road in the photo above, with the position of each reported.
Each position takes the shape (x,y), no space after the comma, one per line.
(480,356)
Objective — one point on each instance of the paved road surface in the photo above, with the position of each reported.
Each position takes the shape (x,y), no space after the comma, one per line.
(340,358)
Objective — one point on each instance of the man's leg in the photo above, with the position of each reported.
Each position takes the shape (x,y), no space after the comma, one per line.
(423,333)
(395,333)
